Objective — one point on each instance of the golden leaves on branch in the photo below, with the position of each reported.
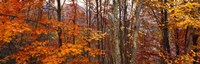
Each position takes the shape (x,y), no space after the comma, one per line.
(98,35)
(10,29)
(184,15)
(51,54)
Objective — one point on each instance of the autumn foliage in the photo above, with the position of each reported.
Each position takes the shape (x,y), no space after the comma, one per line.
(36,36)
(99,31)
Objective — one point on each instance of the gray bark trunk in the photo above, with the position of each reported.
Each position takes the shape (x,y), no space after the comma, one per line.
(117,54)
(136,29)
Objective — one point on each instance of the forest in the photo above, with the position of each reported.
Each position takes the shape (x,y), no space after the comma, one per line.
(99,31)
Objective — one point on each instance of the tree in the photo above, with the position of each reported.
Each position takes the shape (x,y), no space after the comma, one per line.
(99,31)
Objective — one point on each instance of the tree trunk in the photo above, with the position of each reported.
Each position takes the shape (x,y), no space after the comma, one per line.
(187,39)
(59,19)
(136,29)
(195,43)
(177,42)
(117,54)
(166,45)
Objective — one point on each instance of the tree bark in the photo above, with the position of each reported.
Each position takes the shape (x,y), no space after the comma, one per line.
(165,40)
(59,19)
(136,29)
(117,54)
(187,39)
(195,43)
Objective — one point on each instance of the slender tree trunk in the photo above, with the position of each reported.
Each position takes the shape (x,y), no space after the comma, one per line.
(165,34)
(59,19)
(120,34)
(88,23)
(177,42)
(187,40)
(74,20)
(125,34)
(195,43)
(117,54)
(136,29)
(165,30)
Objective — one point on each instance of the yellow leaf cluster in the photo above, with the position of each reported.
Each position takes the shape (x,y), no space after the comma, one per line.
(10,29)
(185,15)
(97,36)
(51,54)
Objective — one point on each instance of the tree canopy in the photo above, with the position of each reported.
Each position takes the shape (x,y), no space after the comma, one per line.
(99,31)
